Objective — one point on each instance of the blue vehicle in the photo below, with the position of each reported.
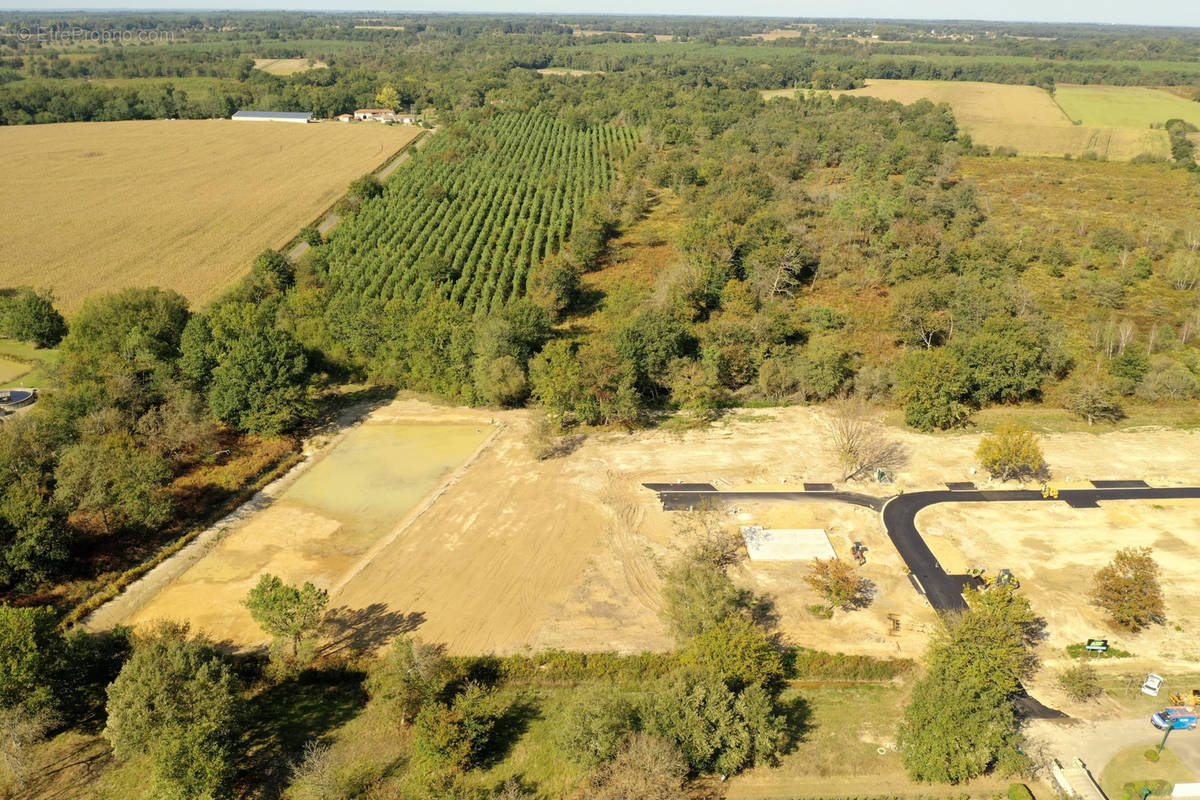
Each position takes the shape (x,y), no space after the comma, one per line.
(1175,718)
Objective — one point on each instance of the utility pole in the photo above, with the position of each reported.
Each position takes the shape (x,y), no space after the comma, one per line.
(1163,743)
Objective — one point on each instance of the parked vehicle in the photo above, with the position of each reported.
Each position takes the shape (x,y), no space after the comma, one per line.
(1153,683)
(1175,718)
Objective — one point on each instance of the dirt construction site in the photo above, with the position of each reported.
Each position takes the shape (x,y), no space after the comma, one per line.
(437,521)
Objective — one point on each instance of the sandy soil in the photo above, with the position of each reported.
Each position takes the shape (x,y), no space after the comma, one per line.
(321,527)
(515,554)
(1054,551)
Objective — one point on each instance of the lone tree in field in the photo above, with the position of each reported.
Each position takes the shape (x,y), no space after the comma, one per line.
(1012,451)
(860,445)
(1093,399)
(1128,589)
(837,584)
(289,613)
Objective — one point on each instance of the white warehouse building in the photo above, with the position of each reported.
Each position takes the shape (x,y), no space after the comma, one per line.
(274,116)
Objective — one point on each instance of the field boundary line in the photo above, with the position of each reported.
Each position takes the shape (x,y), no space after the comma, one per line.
(416,513)
(292,247)
(1054,99)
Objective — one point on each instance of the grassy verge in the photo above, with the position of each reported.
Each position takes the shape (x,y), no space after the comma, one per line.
(1129,770)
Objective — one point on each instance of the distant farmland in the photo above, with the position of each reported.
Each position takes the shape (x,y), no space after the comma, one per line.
(183,205)
(1124,106)
(286,66)
(1027,118)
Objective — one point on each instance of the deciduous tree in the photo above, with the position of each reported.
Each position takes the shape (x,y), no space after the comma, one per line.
(1011,451)
(596,726)
(647,767)
(837,584)
(698,596)
(32,657)
(176,703)
(1094,399)
(110,476)
(860,445)
(1128,589)
(409,676)
(933,387)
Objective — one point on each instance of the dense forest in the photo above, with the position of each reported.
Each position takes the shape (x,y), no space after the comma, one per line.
(51,65)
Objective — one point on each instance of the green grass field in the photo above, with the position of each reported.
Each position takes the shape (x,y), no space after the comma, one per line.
(1123,106)
(24,365)
(1027,118)
(1131,766)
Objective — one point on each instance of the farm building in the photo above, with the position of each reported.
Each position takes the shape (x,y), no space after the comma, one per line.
(381,114)
(384,115)
(345,117)
(273,116)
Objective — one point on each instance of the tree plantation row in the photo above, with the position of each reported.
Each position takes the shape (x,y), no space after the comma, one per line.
(477,210)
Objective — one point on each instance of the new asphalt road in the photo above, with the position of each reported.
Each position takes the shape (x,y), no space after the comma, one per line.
(899,512)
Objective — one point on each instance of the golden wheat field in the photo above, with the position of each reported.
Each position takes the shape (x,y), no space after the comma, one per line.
(179,204)
(1022,117)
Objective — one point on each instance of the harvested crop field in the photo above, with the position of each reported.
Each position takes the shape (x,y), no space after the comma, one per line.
(179,204)
(1026,118)
(287,66)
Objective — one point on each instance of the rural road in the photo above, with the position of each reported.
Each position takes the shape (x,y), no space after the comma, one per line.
(330,220)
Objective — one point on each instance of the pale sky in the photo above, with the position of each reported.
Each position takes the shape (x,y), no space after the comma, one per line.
(1147,12)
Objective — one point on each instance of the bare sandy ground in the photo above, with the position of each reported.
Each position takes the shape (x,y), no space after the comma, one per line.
(515,555)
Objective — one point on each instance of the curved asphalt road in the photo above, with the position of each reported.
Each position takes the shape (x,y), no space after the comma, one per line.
(944,591)
(899,512)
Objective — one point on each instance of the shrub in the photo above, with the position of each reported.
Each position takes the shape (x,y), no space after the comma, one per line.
(1080,682)
(595,727)
(1012,451)
(1152,756)
(1079,650)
